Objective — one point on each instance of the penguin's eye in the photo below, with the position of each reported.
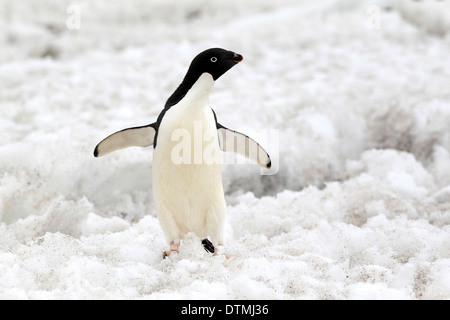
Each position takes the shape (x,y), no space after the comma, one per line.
(213,59)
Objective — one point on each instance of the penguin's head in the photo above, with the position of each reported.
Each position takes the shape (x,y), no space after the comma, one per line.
(214,61)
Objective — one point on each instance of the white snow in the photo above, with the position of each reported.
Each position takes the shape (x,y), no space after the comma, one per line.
(360,206)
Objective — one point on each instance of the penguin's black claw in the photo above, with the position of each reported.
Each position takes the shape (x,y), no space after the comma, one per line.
(209,247)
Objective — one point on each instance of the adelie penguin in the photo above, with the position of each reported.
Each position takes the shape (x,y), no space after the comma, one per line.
(188,194)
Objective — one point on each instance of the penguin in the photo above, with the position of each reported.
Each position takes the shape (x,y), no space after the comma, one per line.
(188,194)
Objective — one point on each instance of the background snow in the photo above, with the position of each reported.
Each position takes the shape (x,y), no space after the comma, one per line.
(359,91)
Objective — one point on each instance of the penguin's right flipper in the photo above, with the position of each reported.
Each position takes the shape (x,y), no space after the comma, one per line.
(131,137)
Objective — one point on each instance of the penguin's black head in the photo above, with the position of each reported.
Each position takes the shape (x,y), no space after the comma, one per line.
(214,61)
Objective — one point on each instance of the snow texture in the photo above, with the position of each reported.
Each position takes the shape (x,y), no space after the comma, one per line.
(356,94)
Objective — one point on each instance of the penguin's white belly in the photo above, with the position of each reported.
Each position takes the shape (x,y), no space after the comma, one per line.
(188,195)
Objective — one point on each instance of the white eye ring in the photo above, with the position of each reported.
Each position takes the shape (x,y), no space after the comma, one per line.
(213,59)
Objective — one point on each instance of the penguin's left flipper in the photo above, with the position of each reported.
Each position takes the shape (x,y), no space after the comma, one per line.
(233,141)
(131,137)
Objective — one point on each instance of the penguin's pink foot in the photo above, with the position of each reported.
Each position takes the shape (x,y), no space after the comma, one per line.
(226,255)
(168,252)
(209,247)
(174,247)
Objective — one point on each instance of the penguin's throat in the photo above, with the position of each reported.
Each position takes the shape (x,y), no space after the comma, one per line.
(198,95)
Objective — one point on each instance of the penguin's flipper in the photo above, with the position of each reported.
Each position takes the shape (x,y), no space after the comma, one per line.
(131,137)
(233,141)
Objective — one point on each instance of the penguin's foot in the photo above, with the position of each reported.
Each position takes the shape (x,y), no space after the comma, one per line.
(168,252)
(216,252)
(209,247)
(174,247)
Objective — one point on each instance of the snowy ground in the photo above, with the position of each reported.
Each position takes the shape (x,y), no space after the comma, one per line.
(358,91)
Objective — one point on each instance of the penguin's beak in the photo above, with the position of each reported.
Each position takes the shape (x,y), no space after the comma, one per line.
(237,58)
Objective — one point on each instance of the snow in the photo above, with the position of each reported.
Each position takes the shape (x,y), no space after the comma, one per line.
(356,94)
